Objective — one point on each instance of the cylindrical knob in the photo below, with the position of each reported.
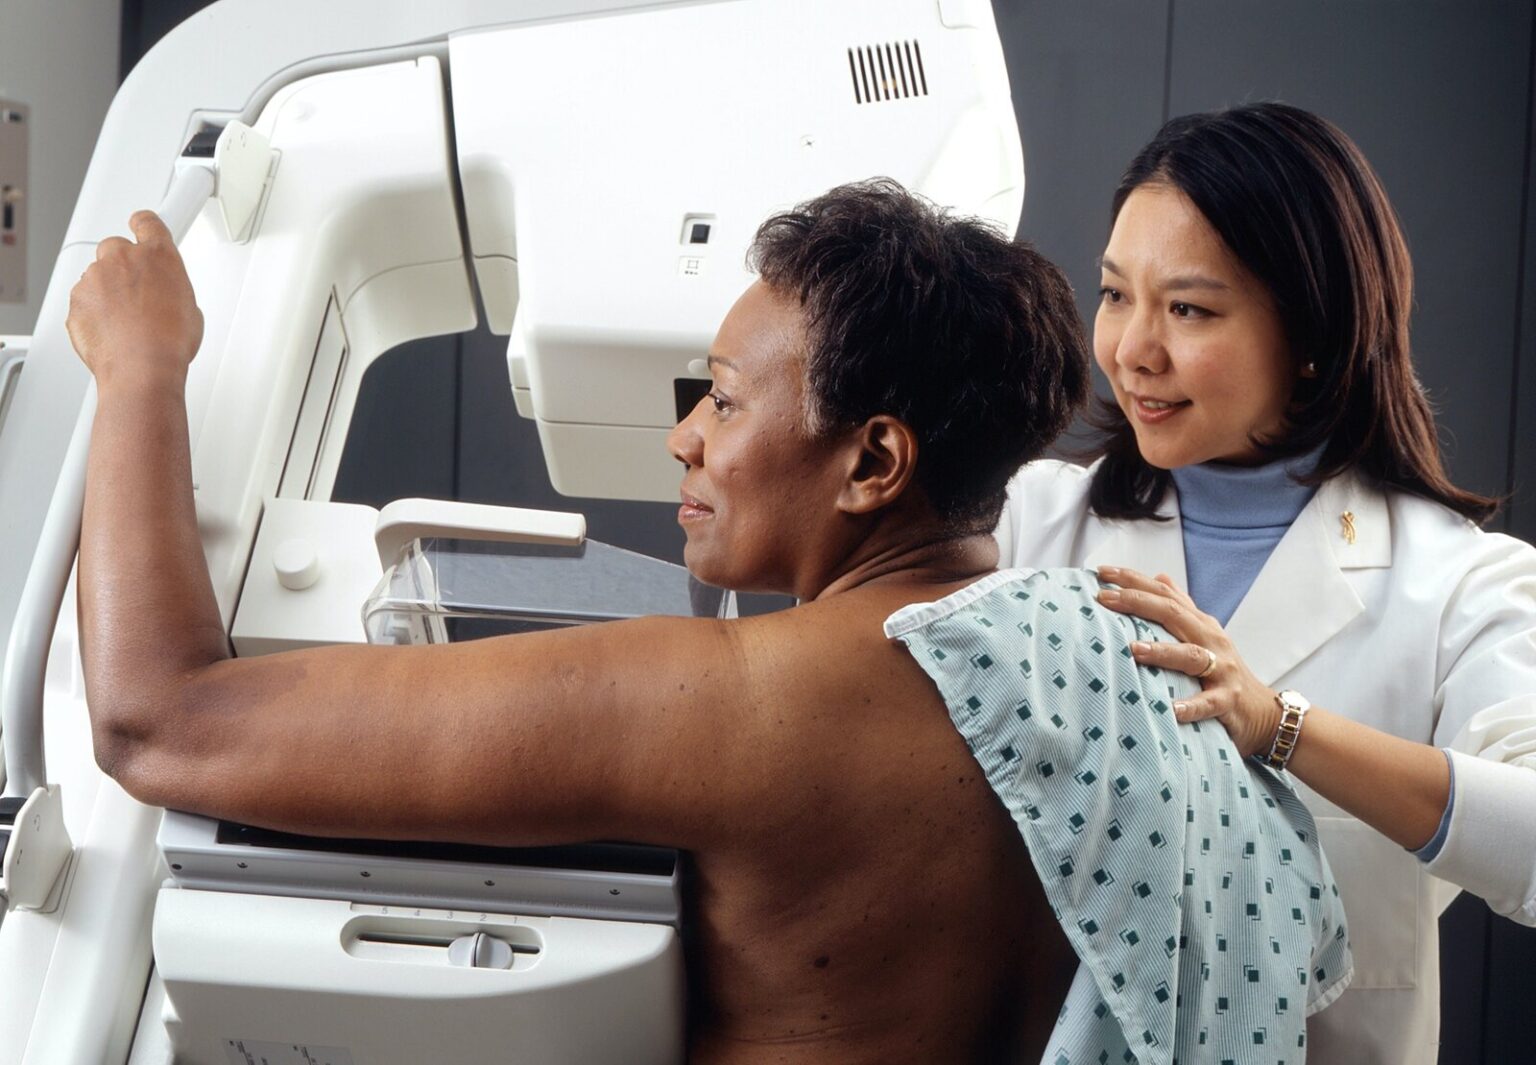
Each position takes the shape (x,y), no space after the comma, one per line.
(296,564)
(480,951)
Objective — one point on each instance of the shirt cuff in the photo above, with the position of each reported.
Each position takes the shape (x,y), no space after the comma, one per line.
(1490,849)
(1428,852)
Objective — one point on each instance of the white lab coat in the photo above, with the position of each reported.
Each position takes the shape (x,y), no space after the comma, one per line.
(1424,627)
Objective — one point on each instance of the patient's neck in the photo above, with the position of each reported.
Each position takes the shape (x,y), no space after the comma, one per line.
(910,552)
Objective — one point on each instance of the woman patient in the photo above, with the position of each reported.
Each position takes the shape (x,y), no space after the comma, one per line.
(903,844)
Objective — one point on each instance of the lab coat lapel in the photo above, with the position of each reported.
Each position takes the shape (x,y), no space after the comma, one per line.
(1302,597)
(1152,547)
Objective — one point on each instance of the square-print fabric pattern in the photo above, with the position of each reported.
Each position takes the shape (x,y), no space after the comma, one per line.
(1189,880)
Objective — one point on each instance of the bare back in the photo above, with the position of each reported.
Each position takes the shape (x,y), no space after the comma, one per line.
(880,905)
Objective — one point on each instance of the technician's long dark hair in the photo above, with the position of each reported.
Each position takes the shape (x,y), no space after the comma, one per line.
(1299,206)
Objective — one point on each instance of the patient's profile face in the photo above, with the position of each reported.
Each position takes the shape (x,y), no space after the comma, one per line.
(758,494)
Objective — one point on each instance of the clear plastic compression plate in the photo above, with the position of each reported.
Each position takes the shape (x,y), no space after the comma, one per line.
(442,590)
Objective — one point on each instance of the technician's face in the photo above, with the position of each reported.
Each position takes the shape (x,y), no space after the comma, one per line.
(1189,339)
(756,490)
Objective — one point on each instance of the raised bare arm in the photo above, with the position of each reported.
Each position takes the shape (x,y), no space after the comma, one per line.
(585,733)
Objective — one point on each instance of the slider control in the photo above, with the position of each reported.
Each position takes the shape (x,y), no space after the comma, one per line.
(480,951)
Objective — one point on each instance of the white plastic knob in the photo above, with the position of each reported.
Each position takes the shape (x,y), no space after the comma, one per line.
(296,564)
(480,951)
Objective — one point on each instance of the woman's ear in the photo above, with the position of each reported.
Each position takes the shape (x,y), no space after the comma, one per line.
(883,463)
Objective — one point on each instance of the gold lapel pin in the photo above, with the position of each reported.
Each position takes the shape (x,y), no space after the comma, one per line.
(1347,519)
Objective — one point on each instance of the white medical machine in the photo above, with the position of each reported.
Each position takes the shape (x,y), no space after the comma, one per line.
(344,176)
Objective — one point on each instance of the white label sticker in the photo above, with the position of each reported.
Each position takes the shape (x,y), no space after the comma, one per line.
(252,1052)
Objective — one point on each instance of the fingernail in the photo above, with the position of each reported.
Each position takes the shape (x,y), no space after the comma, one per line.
(1109,571)
(1180,709)
(1140,647)
(1109,595)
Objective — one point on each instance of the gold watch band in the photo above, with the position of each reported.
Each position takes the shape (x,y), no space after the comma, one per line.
(1293,711)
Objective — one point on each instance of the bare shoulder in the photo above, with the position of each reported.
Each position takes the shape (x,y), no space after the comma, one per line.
(716,735)
(830,692)
(829,654)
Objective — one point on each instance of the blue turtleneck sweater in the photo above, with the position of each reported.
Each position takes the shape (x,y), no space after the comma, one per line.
(1233,517)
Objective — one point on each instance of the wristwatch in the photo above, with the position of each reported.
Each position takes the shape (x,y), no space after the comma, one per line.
(1293,711)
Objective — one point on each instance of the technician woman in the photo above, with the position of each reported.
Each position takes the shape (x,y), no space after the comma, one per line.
(1270,450)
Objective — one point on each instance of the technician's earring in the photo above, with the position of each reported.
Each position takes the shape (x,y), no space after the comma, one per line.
(1309,369)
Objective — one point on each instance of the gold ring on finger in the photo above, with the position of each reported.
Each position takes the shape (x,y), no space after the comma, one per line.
(1210,664)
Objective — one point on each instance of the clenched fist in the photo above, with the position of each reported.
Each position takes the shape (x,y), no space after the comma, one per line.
(132,314)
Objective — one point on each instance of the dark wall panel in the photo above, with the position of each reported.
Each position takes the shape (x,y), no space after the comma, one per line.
(144,22)
(1087,79)
(401,440)
(1433,93)
(1522,442)
(1511,995)
(1466,932)
(1511,971)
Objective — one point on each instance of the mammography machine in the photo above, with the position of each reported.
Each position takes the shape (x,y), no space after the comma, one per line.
(346,176)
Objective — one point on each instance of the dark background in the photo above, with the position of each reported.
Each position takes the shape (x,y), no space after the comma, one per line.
(1439,95)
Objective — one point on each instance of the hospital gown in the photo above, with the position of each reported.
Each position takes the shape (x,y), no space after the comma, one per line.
(1188,880)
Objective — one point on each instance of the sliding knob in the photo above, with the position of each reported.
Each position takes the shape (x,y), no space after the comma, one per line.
(480,951)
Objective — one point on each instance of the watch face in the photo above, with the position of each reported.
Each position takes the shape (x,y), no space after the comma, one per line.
(1294,701)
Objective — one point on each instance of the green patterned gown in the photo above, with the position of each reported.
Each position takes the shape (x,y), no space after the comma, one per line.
(1188,879)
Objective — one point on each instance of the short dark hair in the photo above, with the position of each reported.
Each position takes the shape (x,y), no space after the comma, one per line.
(1297,203)
(971,339)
